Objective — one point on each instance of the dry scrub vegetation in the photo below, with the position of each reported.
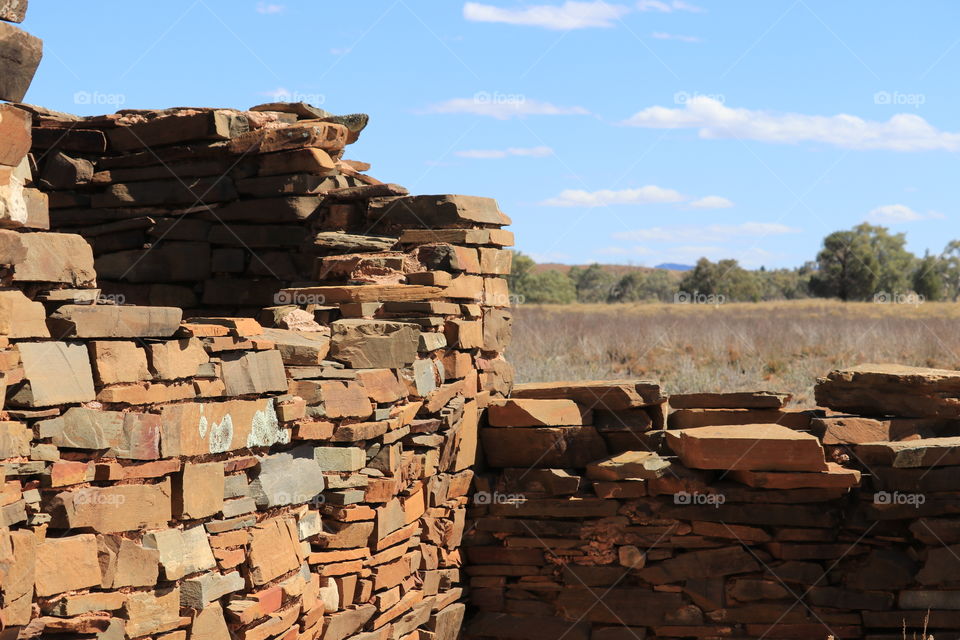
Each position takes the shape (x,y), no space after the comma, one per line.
(772,345)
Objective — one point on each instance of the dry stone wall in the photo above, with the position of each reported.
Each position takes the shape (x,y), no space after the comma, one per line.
(837,522)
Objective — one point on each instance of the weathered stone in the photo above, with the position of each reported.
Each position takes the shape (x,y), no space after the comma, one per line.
(174,359)
(299,347)
(834,477)
(14,133)
(341,459)
(333,399)
(209,624)
(54,575)
(218,124)
(115,509)
(536,413)
(45,385)
(253,372)
(542,447)
(109,321)
(897,390)
(13,10)
(62,258)
(181,551)
(735,400)
(344,624)
(284,479)
(20,55)
(116,361)
(630,465)
(374,344)
(124,563)
(611,395)
(198,592)
(198,490)
(122,434)
(61,171)
(194,429)
(436,211)
(172,261)
(274,546)
(21,318)
(701,564)
(152,612)
(508,626)
(929,452)
(760,447)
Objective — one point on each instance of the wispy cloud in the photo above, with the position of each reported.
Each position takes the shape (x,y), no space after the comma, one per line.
(713,119)
(503,109)
(712,233)
(569,15)
(899,213)
(660,35)
(497,154)
(649,194)
(267,8)
(667,7)
(280,94)
(711,202)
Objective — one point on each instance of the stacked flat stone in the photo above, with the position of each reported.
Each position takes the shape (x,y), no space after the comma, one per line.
(297,472)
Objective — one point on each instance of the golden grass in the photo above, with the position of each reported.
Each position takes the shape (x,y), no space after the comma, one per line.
(733,347)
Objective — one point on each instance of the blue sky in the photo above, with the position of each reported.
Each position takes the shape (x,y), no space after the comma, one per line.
(630,131)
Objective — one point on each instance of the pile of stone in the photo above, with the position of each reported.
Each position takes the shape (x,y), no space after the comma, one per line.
(690,410)
(216,211)
(299,472)
(729,530)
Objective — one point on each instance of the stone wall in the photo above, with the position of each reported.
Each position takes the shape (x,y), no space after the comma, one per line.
(590,523)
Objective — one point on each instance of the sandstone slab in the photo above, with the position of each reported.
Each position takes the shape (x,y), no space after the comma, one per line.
(536,413)
(110,321)
(759,447)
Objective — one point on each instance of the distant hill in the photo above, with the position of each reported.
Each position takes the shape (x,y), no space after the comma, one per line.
(672,266)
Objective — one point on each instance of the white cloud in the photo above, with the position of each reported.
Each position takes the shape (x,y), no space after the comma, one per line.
(902,132)
(569,15)
(713,232)
(711,202)
(503,109)
(667,7)
(496,154)
(899,213)
(650,194)
(280,94)
(660,35)
(269,9)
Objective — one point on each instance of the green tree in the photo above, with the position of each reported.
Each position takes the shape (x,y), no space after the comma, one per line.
(724,278)
(847,267)
(548,287)
(593,284)
(928,278)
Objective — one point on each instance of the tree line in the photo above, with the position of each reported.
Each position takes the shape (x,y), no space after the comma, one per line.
(864,263)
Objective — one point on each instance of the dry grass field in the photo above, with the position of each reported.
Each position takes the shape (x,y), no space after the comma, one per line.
(781,346)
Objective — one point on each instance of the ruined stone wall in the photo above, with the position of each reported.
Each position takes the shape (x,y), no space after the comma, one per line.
(300,472)
(590,523)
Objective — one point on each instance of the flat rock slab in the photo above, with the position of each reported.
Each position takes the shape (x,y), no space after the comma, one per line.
(436,211)
(13,10)
(20,317)
(374,344)
(737,400)
(359,293)
(108,321)
(63,258)
(858,430)
(893,390)
(55,373)
(752,447)
(932,452)
(612,395)
(536,413)
(20,55)
(299,348)
(835,477)
(630,465)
